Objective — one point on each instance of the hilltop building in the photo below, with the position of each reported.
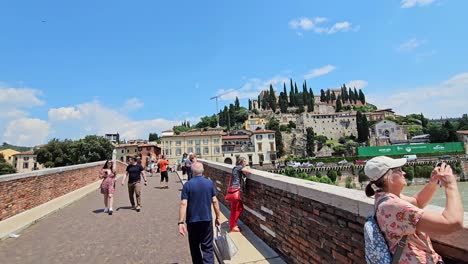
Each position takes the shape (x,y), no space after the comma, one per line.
(387,132)
(464,135)
(253,123)
(113,138)
(8,154)
(146,152)
(333,125)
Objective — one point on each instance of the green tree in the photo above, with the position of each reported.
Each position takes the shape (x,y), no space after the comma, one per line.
(362,127)
(5,167)
(237,103)
(332,175)
(323,97)
(250,105)
(361,96)
(207,121)
(153,137)
(272,99)
(362,177)
(292,96)
(273,124)
(338,104)
(311,102)
(310,141)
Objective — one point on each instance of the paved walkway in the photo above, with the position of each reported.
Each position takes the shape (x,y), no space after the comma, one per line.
(81,233)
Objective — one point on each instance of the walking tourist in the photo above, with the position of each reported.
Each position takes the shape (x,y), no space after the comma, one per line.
(197,196)
(134,173)
(236,187)
(108,175)
(188,165)
(163,163)
(401,216)
(182,163)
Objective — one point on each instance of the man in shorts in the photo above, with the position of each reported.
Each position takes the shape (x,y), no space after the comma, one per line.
(163,163)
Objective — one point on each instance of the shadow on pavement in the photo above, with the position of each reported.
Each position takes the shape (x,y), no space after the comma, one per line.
(125,208)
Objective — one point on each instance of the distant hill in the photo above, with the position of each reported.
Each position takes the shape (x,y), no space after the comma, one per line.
(17,148)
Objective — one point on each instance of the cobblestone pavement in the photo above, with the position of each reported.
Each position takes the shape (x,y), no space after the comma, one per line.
(82,233)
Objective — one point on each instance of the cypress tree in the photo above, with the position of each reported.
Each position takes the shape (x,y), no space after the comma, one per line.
(338,105)
(333,96)
(272,99)
(323,98)
(356,95)
(362,98)
(291,94)
(310,141)
(311,102)
(328,96)
(237,104)
(250,105)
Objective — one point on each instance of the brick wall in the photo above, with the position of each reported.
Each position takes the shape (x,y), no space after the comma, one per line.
(23,191)
(308,222)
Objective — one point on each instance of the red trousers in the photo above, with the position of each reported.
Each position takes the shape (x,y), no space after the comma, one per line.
(236,210)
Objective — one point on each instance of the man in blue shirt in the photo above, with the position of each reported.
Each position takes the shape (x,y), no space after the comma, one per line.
(197,196)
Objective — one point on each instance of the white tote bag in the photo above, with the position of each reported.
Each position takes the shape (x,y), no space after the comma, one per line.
(225,245)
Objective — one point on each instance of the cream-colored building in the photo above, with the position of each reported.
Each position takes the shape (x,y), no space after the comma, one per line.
(387,132)
(204,144)
(126,151)
(26,161)
(8,155)
(333,126)
(254,123)
(257,147)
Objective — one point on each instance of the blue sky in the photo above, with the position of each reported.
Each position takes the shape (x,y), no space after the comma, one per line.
(73,68)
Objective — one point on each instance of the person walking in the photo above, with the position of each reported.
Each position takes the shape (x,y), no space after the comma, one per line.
(134,173)
(237,183)
(108,176)
(198,195)
(188,166)
(182,164)
(163,163)
(402,217)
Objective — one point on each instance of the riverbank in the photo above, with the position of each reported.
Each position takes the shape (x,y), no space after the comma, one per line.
(439,196)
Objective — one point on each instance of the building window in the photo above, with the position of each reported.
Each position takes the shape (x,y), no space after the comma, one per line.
(128,150)
(25,165)
(258,137)
(190,150)
(148,148)
(272,146)
(216,141)
(259,146)
(178,143)
(123,151)
(205,141)
(178,152)
(166,151)
(25,158)
(216,150)
(271,136)
(197,142)
(206,150)
(189,142)
(198,151)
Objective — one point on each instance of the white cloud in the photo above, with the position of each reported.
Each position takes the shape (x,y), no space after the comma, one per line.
(252,88)
(413,3)
(133,104)
(317,25)
(448,98)
(64,113)
(359,84)
(342,26)
(98,119)
(319,71)
(19,97)
(410,45)
(26,132)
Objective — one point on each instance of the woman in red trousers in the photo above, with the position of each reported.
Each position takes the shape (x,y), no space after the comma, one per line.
(237,182)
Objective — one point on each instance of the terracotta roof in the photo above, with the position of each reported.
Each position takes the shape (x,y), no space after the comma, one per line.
(126,145)
(384,110)
(29,152)
(463,132)
(262,131)
(199,133)
(167,131)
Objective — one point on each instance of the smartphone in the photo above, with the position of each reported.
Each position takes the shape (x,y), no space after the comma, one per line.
(438,165)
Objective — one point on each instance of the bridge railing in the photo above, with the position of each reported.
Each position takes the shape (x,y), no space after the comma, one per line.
(22,191)
(310,222)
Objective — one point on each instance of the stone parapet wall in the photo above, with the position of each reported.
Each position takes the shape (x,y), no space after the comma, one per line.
(22,191)
(309,222)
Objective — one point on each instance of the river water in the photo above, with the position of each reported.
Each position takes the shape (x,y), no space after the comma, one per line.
(439,196)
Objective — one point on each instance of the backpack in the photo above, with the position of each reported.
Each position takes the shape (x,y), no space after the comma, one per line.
(376,248)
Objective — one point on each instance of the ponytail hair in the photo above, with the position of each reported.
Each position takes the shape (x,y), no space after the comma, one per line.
(375,186)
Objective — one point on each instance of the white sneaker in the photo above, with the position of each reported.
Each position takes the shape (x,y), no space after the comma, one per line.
(106,210)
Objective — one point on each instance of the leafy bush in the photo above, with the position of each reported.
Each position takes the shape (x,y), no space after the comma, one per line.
(409,170)
(348,183)
(362,176)
(332,175)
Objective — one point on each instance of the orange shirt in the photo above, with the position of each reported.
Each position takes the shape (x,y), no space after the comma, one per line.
(163,165)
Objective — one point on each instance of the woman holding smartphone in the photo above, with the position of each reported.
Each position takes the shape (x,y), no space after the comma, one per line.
(108,185)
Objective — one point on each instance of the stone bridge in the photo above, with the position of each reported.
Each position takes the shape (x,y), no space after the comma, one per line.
(303,221)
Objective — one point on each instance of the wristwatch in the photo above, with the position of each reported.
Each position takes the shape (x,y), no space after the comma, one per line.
(180,223)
